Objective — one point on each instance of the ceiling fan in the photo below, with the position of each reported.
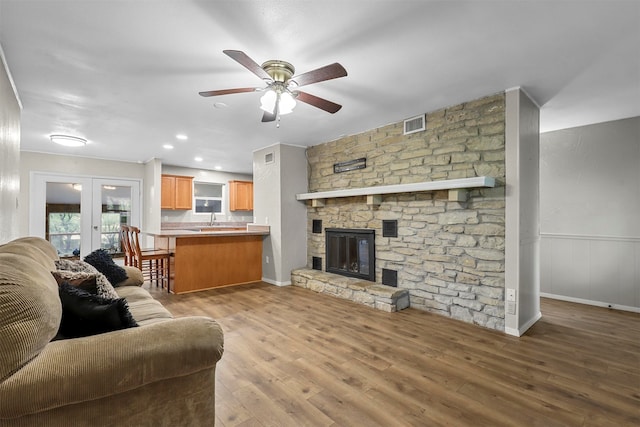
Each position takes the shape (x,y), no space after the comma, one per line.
(281,91)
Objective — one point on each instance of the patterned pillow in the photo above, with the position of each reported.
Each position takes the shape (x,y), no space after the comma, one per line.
(80,279)
(103,286)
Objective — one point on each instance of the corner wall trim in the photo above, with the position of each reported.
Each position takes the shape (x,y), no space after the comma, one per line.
(275,282)
(519,332)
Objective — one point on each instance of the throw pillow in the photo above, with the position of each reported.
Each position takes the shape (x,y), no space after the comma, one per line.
(104,287)
(84,281)
(102,261)
(85,314)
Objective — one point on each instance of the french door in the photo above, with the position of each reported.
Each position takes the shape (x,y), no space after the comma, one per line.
(80,214)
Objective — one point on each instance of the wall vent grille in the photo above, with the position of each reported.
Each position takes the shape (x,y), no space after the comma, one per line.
(415,124)
(268,158)
(390,277)
(389,228)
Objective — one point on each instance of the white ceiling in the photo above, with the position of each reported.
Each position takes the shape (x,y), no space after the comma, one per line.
(126,74)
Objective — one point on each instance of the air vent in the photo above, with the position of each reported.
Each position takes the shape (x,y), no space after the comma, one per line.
(390,277)
(415,124)
(268,158)
(316,263)
(389,228)
(316,226)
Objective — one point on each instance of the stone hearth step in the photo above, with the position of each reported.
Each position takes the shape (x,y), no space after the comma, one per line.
(381,297)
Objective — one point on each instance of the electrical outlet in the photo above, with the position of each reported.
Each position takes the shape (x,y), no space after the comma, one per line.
(266,259)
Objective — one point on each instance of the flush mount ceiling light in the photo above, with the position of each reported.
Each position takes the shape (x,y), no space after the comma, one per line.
(68,140)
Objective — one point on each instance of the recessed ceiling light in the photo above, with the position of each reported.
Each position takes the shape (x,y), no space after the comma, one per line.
(220,105)
(198,159)
(168,146)
(68,140)
(218,168)
(182,137)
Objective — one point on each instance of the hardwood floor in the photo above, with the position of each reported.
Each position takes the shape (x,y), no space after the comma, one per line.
(297,358)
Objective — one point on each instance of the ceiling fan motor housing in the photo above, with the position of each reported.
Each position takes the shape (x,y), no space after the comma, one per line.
(280,71)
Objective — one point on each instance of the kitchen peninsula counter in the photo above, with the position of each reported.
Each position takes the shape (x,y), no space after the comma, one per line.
(212,258)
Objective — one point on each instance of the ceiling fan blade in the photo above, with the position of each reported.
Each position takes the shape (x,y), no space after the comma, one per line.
(323,104)
(248,63)
(268,117)
(328,72)
(227,91)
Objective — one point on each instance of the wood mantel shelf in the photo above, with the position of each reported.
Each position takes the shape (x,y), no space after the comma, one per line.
(457,190)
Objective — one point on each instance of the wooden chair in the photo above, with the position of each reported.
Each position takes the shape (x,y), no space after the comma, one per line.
(125,241)
(154,263)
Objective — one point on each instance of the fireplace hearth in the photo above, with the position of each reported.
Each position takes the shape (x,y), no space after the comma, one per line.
(351,252)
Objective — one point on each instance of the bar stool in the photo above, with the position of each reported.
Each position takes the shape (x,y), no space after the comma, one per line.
(125,241)
(154,263)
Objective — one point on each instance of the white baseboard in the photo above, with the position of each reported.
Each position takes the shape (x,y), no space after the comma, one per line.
(524,328)
(274,282)
(591,302)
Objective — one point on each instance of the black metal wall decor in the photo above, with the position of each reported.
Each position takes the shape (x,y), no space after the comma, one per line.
(350,165)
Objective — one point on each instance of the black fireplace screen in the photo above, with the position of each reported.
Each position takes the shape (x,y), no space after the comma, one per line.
(351,253)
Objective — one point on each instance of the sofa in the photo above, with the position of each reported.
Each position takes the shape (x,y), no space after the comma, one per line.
(160,373)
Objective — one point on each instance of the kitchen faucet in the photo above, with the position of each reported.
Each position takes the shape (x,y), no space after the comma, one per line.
(213,217)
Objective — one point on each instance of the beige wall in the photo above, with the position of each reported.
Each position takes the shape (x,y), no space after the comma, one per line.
(589,205)
(276,184)
(9,155)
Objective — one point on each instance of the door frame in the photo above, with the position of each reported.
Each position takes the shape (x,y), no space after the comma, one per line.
(88,217)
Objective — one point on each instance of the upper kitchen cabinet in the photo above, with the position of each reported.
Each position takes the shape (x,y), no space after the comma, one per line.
(240,195)
(177,192)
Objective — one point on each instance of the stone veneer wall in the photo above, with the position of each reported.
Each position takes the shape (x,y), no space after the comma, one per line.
(449,255)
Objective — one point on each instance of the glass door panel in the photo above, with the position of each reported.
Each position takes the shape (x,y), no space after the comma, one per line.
(63,218)
(116,202)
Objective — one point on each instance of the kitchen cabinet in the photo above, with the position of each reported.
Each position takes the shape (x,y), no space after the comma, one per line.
(240,195)
(177,192)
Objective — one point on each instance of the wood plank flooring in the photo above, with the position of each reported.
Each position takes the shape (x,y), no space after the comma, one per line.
(297,358)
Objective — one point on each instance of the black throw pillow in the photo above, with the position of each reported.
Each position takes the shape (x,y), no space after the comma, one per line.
(85,314)
(103,262)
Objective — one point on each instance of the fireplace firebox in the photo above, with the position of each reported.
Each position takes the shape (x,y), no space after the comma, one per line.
(351,252)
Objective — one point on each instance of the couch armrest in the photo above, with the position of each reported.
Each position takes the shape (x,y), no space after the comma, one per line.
(81,369)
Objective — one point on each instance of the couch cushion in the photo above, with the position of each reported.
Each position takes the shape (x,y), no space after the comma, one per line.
(31,251)
(39,243)
(148,311)
(30,310)
(134,277)
(144,309)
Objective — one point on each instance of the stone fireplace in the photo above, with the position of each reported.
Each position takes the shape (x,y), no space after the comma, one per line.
(351,252)
(449,249)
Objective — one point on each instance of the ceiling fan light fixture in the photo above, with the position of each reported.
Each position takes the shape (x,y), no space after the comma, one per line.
(268,101)
(287,103)
(68,140)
